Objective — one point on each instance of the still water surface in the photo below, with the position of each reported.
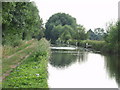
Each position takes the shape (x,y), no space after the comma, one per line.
(82,69)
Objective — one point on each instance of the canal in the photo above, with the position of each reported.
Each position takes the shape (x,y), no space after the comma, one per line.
(80,68)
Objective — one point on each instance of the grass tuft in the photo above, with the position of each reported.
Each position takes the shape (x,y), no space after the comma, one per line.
(32,72)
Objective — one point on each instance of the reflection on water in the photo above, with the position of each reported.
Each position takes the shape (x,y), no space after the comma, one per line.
(113,67)
(63,58)
(81,69)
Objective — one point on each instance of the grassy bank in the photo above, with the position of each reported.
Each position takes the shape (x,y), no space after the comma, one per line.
(14,55)
(101,46)
(32,72)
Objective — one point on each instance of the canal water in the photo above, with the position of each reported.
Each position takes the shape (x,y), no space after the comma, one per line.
(80,68)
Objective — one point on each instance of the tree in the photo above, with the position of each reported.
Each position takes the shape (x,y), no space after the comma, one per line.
(112,33)
(20,21)
(80,33)
(67,33)
(91,35)
(112,37)
(56,32)
(58,19)
(99,32)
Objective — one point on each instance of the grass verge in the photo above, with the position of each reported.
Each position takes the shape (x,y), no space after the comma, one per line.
(9,50)
(32,73)
(13,56)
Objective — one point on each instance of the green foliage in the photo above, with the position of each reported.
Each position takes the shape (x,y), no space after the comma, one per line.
(112,37)
(80,33)
(9,50)
(112,33)
(56,32)
(59,19)
(20,21)
(96,45)
(100,33)
(118,27)
(111,43)
(12,56)
(32,73)
(62,27)
(25,75)
(67,33)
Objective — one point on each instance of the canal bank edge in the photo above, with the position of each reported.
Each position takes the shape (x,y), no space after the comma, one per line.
(32,73)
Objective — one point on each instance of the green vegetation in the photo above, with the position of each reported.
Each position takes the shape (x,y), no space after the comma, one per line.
(113,67)
(32,73)
(62,27)
(92,44)
(111,42)
(9,50)
(20,21)
(25,51)
(12,56)
(113,38)
(62,60)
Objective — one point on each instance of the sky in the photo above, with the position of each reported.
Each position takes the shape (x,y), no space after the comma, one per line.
(89,13)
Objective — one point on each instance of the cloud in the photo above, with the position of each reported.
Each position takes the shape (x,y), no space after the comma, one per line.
(90,13)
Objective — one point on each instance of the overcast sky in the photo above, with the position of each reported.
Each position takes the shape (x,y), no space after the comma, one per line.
(90,13)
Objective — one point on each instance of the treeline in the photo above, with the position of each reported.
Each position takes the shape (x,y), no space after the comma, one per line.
(24,59)
(62,28)
(108,42)
(20,21)
(112,38)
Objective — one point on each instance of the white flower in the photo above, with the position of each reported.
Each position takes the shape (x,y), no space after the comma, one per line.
(37,75)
